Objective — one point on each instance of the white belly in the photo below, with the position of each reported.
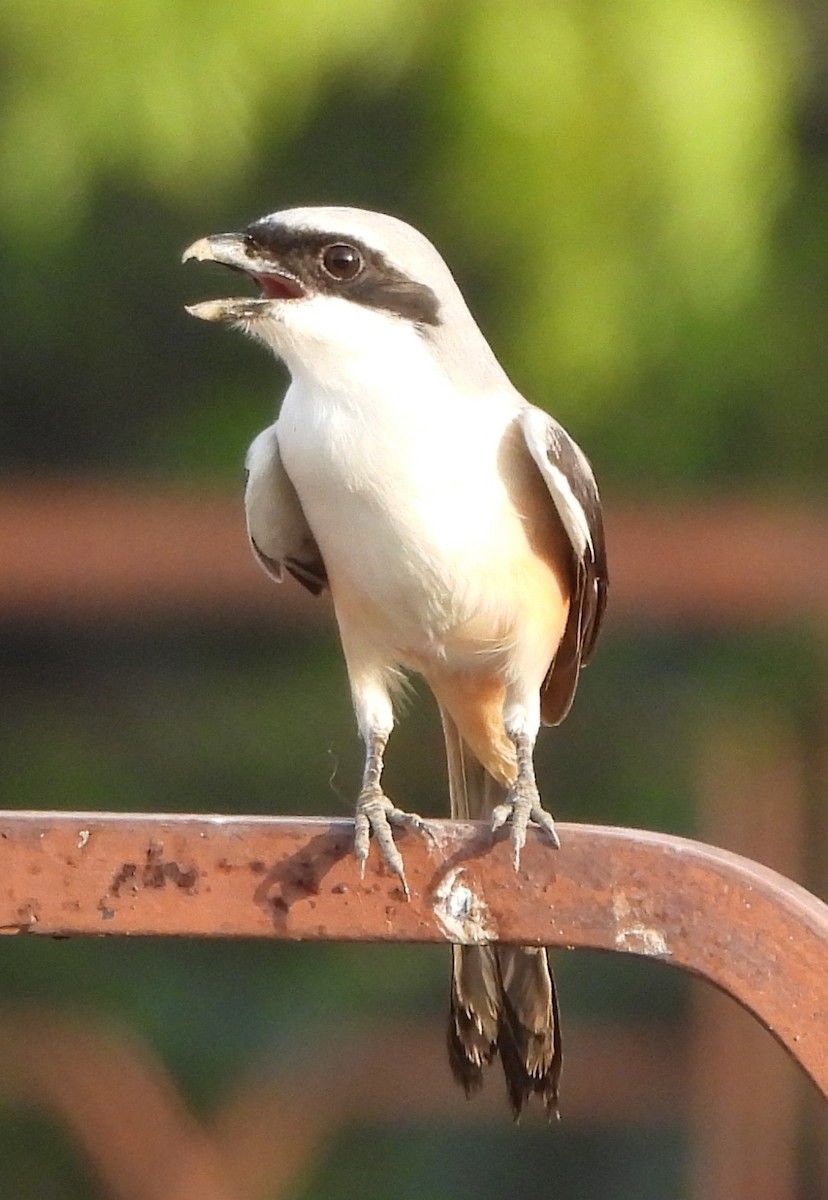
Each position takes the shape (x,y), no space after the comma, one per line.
(408,506)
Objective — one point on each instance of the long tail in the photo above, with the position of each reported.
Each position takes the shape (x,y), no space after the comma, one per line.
(502,997)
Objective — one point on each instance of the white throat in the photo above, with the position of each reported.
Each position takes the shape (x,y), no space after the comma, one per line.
(332,345)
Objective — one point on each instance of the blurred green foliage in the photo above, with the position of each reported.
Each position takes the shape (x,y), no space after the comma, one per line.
(632,194)
(619,186)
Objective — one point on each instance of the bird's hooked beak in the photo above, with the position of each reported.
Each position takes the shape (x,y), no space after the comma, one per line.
(241,253)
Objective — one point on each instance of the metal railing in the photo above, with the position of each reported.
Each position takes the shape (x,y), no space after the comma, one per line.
(745,928)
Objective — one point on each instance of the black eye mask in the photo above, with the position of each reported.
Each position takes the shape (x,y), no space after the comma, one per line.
(324,262)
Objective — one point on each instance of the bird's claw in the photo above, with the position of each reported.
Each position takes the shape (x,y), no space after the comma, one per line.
(375,813)
(522,806)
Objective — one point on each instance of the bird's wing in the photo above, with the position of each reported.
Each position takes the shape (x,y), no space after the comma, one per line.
(276,525)
(573,490)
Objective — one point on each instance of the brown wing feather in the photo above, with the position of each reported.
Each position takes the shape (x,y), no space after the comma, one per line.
(572,489)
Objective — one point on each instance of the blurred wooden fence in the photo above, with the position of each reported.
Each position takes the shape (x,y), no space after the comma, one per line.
(88,549)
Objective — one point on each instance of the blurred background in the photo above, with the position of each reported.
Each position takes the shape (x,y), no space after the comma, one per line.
(632,194)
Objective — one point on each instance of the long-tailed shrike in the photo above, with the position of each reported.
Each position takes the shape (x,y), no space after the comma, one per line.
(459,531)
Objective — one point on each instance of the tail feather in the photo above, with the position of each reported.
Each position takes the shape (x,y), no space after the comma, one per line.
(530,1032)
(503,998)
(474,1020)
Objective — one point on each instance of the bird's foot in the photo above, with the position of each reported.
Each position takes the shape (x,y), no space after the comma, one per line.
(521,806)
(375,813)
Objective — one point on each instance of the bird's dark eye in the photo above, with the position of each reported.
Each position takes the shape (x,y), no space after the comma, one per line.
(341,261)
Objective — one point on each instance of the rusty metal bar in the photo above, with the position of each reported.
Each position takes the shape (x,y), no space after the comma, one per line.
(743,927)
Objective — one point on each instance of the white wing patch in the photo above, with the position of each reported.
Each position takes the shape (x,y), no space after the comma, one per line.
(570,511)
(540,430)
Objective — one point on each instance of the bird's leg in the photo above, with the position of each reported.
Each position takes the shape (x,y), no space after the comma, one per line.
(522,803)
(375,813)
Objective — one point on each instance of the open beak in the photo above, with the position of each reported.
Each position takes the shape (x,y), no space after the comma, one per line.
(240,253)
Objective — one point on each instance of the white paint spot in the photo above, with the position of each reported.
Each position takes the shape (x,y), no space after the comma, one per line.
(462,915)
(632,936)
(638,939)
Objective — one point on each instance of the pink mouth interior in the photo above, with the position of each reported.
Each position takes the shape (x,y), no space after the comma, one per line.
(279,287)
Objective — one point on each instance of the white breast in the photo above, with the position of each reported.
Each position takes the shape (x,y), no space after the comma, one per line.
(402,489)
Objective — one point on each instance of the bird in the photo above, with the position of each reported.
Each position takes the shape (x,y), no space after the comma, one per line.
(459,531)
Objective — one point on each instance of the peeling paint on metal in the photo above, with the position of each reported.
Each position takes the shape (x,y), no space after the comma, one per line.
(637,939)
(461,914)
(634,937)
